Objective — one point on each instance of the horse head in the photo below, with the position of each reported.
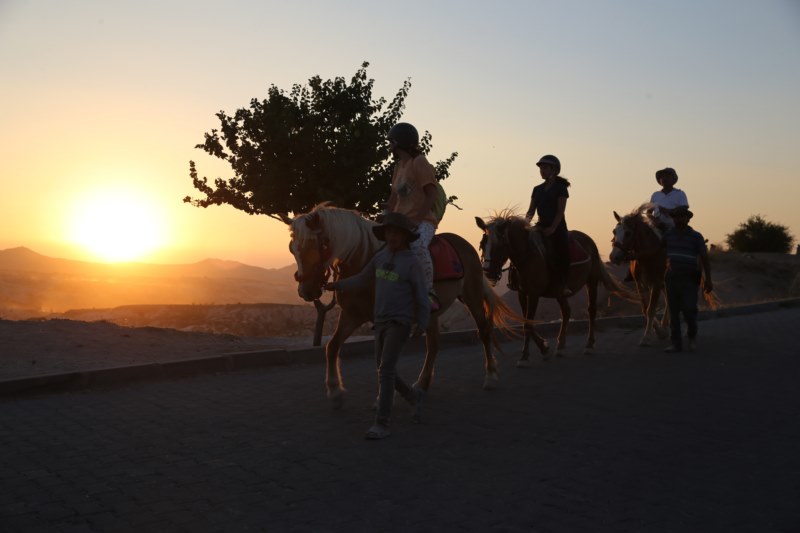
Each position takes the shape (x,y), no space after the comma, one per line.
(329,238)
(635,233)
(622,241)
(494,247)
(311,250)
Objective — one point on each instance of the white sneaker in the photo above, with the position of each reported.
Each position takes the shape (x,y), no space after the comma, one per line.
(376,432)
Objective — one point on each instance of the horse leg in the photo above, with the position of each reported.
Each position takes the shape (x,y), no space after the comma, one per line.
(566,313)
(650,313)
(419,390)
(662,329)
(333,372)
(591,297)
(431,351)
(530,333)
(474,297)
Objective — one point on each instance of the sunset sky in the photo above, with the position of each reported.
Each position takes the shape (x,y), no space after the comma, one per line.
(103,102)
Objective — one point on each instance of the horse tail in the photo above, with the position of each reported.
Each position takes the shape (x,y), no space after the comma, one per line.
(612,284)
(713,300)
(500,315)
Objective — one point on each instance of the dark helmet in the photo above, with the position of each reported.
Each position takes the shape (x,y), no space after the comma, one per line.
(550,160)
(405,135)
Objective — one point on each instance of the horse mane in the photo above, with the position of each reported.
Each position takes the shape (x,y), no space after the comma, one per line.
(507,216)
(349,234)
(645,213)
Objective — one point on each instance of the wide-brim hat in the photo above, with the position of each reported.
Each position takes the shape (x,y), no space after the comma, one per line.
(680,211)
(664,172)
(397,220)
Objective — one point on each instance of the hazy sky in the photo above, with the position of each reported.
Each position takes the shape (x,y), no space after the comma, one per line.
(107,99)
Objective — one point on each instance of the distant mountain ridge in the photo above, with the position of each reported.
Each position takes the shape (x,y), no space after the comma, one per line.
(24,259)
(36,283)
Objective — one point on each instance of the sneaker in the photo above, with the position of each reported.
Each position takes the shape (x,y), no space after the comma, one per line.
(673,349)
(377,432)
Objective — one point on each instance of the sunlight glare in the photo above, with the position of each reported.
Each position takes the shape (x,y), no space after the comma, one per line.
(117,225)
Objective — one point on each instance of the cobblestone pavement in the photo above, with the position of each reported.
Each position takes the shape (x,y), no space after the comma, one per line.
(628,439)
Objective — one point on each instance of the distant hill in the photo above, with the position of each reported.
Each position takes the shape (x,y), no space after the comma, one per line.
(35,283)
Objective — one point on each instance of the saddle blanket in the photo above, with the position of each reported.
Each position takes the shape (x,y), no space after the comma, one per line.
(577,254)
(446,263)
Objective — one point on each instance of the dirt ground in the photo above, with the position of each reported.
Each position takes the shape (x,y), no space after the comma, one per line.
(36,347)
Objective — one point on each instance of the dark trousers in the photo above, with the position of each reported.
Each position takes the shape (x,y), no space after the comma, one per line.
(682,299)
(390,337)
(557,247)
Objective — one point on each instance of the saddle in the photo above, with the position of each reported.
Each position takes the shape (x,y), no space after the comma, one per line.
(446,263)
(577,255)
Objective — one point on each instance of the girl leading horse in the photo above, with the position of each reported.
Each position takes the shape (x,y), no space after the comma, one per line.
(328,238)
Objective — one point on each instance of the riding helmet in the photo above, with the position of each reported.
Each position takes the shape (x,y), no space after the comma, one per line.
(550,160)
(405,135)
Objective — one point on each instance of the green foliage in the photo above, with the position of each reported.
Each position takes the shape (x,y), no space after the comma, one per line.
(758,235)
(324,141)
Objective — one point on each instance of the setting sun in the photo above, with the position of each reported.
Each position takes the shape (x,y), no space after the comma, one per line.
(116,225)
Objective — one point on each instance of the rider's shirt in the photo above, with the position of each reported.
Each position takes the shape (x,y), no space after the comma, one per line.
(408,180)
(667,202)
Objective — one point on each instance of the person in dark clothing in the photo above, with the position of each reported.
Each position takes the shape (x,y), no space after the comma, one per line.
(401,299)
(549,200)
(686,254)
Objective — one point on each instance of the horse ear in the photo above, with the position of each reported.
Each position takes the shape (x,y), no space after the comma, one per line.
(312,221)
(481,224)
(619,218)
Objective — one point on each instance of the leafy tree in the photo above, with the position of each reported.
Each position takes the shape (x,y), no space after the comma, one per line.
(758,235)
(324,141)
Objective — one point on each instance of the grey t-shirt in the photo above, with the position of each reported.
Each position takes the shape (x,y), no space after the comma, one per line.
(400,290)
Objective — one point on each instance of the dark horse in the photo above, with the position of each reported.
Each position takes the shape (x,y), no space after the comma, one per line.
(637,237)
(329,237)
(509,237)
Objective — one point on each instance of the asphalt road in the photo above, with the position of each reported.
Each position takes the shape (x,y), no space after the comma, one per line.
(627,439)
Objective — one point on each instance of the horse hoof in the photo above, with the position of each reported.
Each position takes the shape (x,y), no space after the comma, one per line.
(490,382)
(561,352)
(337,400)
(523,363)
(588,350)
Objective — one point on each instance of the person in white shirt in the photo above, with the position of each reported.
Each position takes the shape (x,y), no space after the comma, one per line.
(668,198)
(665,201)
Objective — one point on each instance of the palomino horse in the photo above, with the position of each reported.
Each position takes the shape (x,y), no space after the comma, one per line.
(329,237)
(507,236)
(637,237)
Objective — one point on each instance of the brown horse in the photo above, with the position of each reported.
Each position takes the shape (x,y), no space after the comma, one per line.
(509,237)
(638,237)
(329,237)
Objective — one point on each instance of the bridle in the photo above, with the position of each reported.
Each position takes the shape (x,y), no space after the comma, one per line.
(629,246)
(492,270)
(320,271)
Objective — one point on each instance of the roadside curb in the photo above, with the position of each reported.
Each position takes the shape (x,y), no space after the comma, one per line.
(112,376)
